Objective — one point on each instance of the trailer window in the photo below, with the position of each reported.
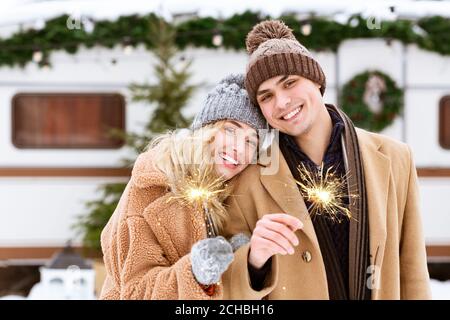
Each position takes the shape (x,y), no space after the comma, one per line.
(444,122)
(68,120)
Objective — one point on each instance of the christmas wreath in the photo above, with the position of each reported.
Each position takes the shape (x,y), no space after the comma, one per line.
(372,100)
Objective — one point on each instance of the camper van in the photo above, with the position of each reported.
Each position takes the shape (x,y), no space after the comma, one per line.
(54,153)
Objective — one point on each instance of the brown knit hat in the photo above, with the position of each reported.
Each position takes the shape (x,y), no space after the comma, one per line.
(275,51)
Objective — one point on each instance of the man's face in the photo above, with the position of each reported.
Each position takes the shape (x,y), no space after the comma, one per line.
(290,103)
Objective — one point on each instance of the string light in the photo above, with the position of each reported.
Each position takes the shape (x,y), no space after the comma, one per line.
(37,56)
(306,29)
(128,49)
(217,40)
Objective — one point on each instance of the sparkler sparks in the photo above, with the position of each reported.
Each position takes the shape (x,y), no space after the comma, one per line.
(199,190)
(325,191)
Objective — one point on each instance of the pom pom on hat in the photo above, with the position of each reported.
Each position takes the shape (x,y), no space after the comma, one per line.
(233,83)
(266,30)
(274,51)
(237,78)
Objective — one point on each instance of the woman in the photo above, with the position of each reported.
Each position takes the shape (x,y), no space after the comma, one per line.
(156,244)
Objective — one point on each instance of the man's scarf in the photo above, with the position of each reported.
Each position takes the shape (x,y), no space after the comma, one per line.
(359,224)
(358,250)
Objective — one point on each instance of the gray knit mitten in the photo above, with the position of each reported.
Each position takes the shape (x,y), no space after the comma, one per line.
(238,240)
(210,258)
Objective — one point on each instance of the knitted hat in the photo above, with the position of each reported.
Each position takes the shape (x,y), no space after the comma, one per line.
(229,101)
(274,51)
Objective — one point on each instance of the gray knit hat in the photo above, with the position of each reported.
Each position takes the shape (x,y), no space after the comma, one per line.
(274,51)
(229,101)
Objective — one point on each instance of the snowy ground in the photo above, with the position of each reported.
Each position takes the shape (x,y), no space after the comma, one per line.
(440,291)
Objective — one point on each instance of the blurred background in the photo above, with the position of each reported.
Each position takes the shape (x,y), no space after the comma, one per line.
(84,85)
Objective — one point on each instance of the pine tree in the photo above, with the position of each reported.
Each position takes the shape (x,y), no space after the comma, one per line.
(169,94)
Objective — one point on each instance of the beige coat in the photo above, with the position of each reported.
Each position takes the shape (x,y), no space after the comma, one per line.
(147,241)
(397,248)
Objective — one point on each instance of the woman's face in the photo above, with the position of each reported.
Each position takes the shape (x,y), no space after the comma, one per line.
(234,147)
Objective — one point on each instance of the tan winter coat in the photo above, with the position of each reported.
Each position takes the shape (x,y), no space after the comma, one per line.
(147,241)
(397,247)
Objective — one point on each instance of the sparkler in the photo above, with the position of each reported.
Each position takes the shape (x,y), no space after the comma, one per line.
(325,191)
(199,190)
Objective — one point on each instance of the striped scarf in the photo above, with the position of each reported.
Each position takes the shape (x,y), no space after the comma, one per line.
(359,225)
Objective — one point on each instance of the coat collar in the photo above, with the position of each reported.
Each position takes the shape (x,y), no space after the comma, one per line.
(377,170)
(144,174)
(279,182)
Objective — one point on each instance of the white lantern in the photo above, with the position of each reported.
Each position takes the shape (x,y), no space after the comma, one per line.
(67,277)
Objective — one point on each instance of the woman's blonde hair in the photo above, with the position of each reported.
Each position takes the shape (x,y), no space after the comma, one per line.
(181,156)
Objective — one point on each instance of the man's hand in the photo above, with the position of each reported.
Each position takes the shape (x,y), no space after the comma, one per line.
(274,234)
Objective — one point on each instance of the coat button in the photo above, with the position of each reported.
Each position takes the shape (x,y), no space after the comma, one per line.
(306,256)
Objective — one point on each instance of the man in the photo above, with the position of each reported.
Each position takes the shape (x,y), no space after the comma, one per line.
(375,252)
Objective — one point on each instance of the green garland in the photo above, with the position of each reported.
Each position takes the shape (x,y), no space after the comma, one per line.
(18,49)
(353,104)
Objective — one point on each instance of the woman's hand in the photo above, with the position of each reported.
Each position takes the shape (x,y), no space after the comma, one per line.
(274,234)
(210,258)
(239,240)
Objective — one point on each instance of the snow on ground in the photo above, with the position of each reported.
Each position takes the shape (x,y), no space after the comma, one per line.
(440,291)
